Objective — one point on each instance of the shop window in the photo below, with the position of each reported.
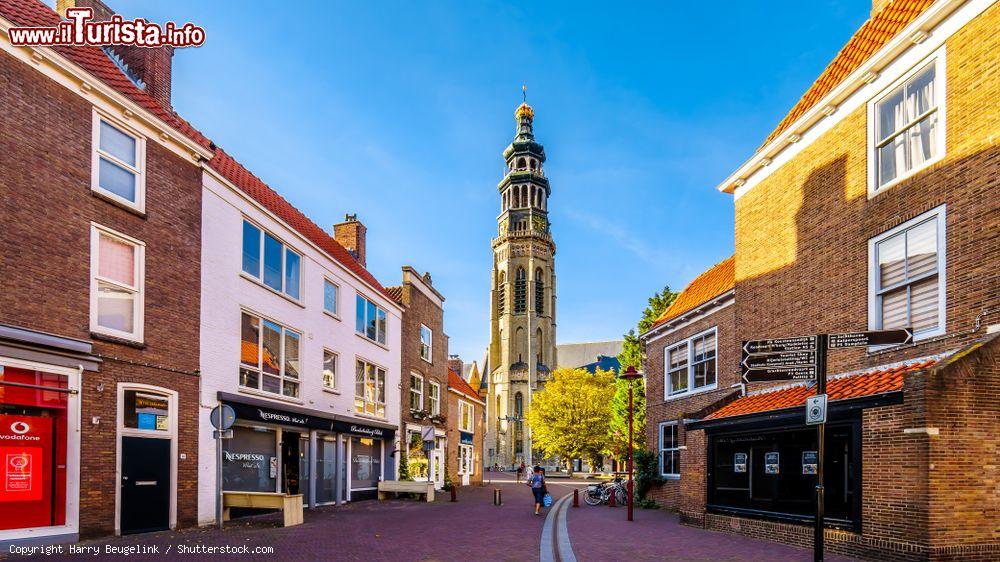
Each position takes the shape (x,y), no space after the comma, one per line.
(282,266)
(369,389)
(670,454)
(691,365)
(116,288)
(269,356)
(326,469)
(329,369)
(146,411)
(426,338)
(33,441)
(370,320)
(773,474)
(366,463)
(250,461)
(416,459)
(906,276)
(118,163)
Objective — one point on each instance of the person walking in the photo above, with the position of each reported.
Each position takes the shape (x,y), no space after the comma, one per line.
(520,472)
(537,484)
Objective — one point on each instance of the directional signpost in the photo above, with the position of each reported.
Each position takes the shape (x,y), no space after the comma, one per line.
(804,358)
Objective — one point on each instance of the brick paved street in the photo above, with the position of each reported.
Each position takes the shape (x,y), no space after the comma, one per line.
(410,530)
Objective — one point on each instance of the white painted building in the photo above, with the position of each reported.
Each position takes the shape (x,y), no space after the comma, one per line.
(280,342)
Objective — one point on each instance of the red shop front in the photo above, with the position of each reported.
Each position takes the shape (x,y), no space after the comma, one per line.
(35,424)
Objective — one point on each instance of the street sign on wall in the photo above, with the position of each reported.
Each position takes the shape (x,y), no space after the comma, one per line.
(779,359)
(865,339)
(798,343)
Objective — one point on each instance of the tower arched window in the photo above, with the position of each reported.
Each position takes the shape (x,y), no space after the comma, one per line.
(524,196)
(540,346)
(499,414)
(519,404)
(532,196)
(534,164)
(520,290)
(502,293)
(520,163)
(539,291)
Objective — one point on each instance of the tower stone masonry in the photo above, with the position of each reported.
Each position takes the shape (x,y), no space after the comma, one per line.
(522,348)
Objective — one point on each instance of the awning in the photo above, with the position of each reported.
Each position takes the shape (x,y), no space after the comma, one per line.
(42,347)
(267,411)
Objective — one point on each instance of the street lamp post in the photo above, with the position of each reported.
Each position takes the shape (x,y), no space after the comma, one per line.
(630,375)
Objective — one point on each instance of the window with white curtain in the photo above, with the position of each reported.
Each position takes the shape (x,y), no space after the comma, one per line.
(118,161)
(116,284)
(908,125)
(691,364)
(906,276)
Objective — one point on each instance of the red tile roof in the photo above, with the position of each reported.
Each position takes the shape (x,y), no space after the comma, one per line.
(869,383)
(868,39)
(97,63)
(720,278)
(455,381)
(395,293)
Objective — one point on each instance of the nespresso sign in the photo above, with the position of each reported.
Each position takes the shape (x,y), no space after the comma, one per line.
(251,413)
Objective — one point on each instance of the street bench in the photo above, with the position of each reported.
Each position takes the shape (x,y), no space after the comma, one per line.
(289,504)
(386,486)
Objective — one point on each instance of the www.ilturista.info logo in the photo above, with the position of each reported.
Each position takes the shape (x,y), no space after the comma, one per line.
(78,30)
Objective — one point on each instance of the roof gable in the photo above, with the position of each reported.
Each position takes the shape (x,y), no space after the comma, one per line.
(720,278)
(458,384)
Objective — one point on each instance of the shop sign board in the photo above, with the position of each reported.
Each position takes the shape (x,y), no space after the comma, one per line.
(466,438)
(865,339)
(771,462)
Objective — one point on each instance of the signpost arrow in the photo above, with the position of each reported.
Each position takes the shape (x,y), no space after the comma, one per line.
(865,339)
(800,343)
(781,359)
(794,372)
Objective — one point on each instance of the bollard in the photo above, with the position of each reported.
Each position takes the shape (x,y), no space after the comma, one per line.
(611,498)
(576,497)
(497,497)
(454,493)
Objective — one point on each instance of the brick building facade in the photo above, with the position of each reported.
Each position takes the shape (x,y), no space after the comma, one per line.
(100,294)
(424,374)
(871,206)
(466,434)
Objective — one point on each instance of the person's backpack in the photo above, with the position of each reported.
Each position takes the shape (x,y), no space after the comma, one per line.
(547,500)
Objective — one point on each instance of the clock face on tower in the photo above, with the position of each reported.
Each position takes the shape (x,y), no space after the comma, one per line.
(539,223)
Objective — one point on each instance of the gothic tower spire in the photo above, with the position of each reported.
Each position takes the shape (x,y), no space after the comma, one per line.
(522,319)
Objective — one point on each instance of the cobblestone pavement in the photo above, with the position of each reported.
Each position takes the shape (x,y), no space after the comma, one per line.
(471,529)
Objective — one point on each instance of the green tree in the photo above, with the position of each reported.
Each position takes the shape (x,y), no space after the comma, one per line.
(631,356)
(569,418)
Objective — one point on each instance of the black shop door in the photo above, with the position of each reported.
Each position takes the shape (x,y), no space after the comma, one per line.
(145,485)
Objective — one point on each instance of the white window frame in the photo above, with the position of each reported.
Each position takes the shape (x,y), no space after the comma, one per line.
(464,406)
(874,299)
(258,278)
(661,449)
(281,362)
(416,392)
(376,404)
(466,462)
(426,346)
(364,332)
(937,59)
(139,267)
(434,398)
(689,342)
(140,162)
(336,368)
(336,298)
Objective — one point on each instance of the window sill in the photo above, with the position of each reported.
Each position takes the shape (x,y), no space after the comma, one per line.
(137,344)
(370,417)
(426,360)
(331,390)
(261,284)
(373,342)
(696,392)
(875,191)
(270,395)
(332,315)
(671,477)
(117,202)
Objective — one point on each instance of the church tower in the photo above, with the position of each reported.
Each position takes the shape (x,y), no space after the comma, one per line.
(523,298)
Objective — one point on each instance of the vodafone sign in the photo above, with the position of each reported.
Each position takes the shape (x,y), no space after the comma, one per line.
(23,444)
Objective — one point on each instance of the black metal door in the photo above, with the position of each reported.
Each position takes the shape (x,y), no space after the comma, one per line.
(145,485)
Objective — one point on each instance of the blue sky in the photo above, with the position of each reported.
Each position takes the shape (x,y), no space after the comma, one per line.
(398,111)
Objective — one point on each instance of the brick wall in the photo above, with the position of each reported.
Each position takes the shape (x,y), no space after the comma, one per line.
(659,410)
(46,209)
(420,309)
(451,458)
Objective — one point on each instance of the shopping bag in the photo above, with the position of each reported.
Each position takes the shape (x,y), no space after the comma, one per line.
(547,500)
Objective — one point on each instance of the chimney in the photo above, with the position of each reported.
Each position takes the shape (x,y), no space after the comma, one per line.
(877,6)
(150,67)
(351,235)
(455,364)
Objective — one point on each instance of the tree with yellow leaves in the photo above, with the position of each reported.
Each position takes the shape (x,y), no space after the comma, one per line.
(569,418)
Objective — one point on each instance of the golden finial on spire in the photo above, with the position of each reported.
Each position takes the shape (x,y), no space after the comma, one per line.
(524,108)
